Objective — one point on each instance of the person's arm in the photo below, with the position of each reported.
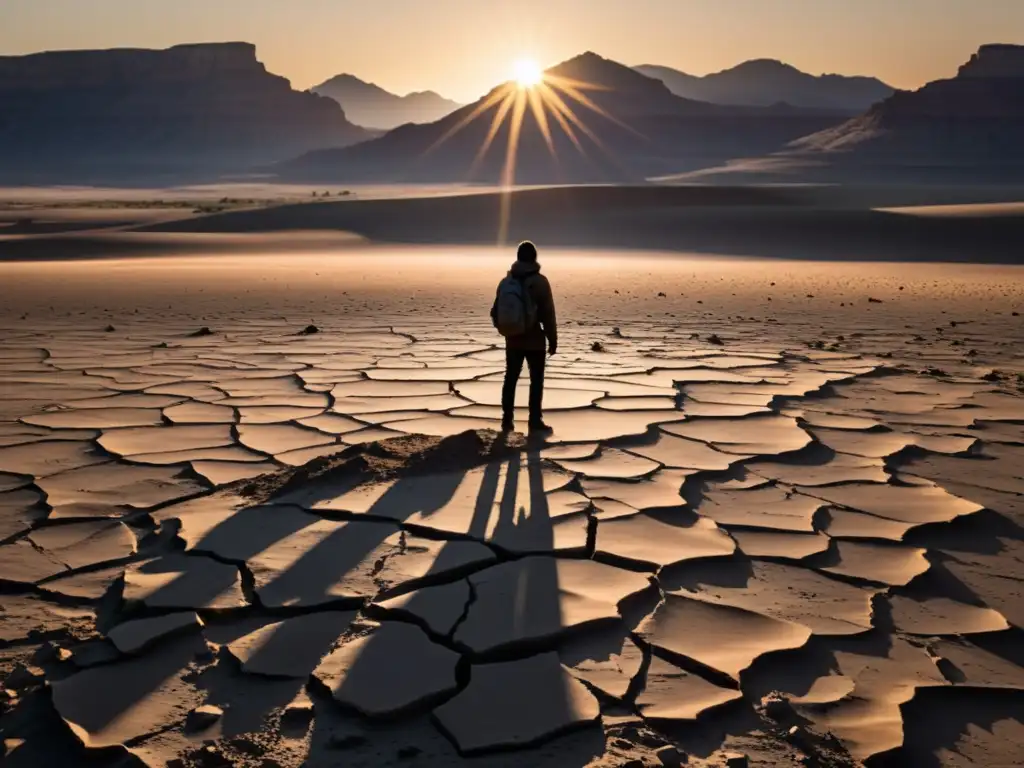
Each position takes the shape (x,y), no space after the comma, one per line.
(548,319)
(494,310)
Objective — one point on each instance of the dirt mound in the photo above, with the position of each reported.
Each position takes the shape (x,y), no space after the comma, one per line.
(380,460)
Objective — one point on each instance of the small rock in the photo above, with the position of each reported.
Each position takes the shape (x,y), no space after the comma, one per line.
(25,676)
(777,707)
(309,330)
(408,753)
(207,653)
(736,760)
(109,329)
(802,738)
(347,741)
(670,757)
(992,376)
(901,287)
(716,340)
(597,346)
(203,717)
(873,300)
(1015,314)
(300,711)
(661,294)
(699,301)
(972,353)
(617,332)
(160,345)
(10,745)
(204,331)
(952,323)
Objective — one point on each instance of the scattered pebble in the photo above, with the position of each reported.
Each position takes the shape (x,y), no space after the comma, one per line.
(670,757)
(203,717)
(309,330)
(716,340)
(597,346)
(873,300)
(204,331)
(110,329)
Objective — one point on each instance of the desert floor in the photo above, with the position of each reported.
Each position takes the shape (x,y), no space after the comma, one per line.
(253,511)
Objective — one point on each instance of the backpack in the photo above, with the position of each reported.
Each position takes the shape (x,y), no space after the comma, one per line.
(516,310)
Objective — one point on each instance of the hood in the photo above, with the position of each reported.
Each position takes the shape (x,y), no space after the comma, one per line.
(521,269)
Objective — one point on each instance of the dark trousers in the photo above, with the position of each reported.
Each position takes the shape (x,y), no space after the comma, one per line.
(513,367)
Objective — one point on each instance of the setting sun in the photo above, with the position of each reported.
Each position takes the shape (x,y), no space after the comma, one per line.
(528,73)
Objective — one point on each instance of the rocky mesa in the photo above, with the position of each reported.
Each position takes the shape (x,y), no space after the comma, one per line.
(92,116)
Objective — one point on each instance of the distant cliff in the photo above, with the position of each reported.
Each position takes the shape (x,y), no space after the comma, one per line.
(149,114)
(371,106)
(969,126)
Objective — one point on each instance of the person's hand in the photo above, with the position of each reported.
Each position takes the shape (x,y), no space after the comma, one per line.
(552,348)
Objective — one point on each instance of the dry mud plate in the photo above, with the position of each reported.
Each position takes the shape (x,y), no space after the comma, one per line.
(258,548)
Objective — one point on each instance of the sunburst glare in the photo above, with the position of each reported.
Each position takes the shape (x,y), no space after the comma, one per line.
(545,96)
(528,73)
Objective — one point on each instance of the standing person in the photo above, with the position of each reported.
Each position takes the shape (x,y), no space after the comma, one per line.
(524,313)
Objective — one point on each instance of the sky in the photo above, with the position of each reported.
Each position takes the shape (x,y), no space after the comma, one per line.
(462,48)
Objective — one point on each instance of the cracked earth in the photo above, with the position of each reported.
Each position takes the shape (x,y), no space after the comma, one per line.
(229,539)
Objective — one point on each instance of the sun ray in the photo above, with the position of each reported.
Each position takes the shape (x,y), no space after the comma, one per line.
(497,95)
(559,104)
(496,123)
(565,125)
(508,174)
(580,85)
(540,115)
(570,89)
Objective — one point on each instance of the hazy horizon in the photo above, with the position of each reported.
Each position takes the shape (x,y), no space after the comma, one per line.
(906,46)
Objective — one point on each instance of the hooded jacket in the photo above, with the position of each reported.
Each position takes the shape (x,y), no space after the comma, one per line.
(545,332)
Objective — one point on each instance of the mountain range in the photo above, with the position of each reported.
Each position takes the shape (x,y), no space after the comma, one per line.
(159,115)
(600,121)
(203,112)
(763,82)
(371,106)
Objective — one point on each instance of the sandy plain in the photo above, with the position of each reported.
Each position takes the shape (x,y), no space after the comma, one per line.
(253,511)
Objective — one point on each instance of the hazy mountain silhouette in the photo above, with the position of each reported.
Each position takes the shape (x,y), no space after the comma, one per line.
(763,82)
(626,126)
(970,127)
(371,106)
(91,116)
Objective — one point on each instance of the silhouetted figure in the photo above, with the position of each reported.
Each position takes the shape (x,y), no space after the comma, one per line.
(524,313)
